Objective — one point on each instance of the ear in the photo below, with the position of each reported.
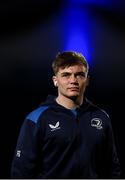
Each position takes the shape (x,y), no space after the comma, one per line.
(54,78)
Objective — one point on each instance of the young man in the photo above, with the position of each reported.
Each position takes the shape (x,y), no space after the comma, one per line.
(67,136)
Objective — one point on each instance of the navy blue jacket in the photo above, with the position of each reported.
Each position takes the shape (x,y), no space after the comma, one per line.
(56,142)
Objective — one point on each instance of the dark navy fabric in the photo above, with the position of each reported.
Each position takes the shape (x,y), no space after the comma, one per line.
(56,143)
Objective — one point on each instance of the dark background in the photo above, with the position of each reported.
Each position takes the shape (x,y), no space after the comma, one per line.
(31,33)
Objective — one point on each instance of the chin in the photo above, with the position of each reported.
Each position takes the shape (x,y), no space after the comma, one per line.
(73,95)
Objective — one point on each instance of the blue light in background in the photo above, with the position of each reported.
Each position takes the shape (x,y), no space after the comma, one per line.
(90,2)
(76,30)
(79,24)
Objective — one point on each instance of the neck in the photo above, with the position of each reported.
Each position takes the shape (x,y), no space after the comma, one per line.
(69,103)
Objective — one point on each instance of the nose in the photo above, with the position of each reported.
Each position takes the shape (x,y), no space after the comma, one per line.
(73,79)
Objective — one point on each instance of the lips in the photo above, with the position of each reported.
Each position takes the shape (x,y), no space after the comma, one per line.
(73,88)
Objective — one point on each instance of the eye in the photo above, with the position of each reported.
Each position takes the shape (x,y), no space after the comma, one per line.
(81,74)
(65,74)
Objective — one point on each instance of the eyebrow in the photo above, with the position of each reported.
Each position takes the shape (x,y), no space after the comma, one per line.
(77,73)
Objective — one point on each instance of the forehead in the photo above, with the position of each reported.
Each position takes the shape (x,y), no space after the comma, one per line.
(73,69)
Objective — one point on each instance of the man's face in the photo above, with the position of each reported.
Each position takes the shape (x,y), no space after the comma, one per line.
(71,81)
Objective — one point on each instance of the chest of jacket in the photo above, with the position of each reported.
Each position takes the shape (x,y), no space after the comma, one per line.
(64,129)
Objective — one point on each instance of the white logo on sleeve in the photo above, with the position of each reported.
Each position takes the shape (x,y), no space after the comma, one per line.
(54,127)
(97,123)
(18,153)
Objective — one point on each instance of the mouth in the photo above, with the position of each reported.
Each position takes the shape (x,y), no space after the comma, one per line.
(73,89)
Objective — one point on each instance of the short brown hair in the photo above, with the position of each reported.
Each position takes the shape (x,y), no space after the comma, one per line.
(68,58)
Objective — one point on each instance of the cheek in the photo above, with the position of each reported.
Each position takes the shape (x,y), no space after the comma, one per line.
(62,83)
(82,85)
(62,86)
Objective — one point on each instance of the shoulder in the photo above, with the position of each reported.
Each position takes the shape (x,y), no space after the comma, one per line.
(96,109)
(36,113)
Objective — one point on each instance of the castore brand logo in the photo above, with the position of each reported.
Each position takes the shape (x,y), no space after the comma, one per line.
(54,127)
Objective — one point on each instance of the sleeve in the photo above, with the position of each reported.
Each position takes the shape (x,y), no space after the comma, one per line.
(112,164)
(24,164)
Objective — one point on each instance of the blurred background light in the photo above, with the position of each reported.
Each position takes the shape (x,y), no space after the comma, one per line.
(76,29)
(89,2)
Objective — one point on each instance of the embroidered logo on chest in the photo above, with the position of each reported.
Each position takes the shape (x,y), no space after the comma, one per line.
(54,127)
(97,123)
